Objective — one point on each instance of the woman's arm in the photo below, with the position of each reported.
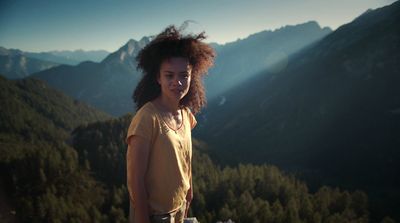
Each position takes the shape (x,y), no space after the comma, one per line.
(137,159)
(189,197)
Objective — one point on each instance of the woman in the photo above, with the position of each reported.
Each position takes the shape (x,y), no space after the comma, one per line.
(159,155)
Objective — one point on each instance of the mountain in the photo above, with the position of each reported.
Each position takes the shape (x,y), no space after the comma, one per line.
(332,115)
(107,85)
(14,64)
(69,57)
(127,53)
(240,60)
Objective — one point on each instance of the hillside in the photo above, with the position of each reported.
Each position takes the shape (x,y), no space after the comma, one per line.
(27,102)
(39,171)
(246,193)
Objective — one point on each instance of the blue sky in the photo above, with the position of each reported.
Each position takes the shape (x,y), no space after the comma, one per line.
(43,25)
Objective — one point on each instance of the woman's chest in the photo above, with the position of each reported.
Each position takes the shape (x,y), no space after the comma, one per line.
(171,142)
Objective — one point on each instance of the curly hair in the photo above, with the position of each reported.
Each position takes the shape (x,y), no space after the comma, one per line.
(167,44)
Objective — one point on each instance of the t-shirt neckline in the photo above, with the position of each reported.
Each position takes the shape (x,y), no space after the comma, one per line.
(163,120)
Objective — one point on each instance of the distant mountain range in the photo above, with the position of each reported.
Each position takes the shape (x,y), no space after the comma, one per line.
(70,57)
(16,64)
(333,115)
(109,85)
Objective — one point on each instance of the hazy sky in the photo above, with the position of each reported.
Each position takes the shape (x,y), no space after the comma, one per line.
(43,25)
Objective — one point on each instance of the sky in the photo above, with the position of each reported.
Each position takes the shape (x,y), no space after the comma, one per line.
(44,25)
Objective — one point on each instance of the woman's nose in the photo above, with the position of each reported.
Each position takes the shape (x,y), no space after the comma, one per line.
(179,83)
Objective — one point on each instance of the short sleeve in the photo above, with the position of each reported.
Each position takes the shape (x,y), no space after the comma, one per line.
(192,119)
(142,124)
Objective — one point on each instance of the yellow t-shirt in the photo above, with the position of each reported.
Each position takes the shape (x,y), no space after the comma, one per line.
(167,179)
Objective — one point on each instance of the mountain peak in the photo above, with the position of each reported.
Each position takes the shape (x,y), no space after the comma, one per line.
(129,47)
(133,44)
(127,53)
(144,41)
(310,25)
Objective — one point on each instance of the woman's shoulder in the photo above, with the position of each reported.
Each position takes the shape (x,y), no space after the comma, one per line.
(190,116)
(147,110)
(148,106)
(143,123)
(188,110)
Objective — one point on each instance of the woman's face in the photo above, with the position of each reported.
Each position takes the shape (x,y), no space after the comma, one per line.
(174,78)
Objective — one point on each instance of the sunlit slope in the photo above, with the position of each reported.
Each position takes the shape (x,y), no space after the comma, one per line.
(240,60)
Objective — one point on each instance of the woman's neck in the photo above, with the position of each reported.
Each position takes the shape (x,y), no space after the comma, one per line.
(167,105)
